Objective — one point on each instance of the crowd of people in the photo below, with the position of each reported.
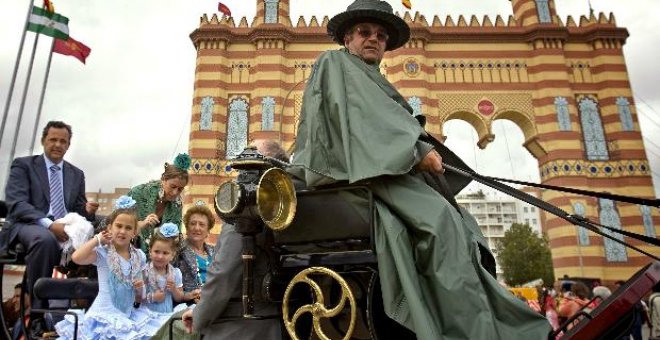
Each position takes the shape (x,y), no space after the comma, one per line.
(563,304)
(42,190)
(355,127)
(146,269)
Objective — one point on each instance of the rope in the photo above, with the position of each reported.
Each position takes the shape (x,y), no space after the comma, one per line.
(508,150)
(647,239)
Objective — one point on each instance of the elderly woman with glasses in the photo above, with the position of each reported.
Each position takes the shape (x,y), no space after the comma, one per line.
(195,254)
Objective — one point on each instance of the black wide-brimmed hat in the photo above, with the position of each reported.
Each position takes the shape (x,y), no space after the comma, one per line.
(375,11)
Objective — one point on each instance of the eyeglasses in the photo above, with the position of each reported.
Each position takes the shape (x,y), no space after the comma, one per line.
(367,33)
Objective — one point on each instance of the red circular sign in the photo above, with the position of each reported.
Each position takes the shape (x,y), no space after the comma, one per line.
(486,107)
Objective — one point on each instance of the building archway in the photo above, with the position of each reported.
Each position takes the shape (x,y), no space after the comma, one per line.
(507,132)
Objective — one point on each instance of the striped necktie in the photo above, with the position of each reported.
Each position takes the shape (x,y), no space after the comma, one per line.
(56,193)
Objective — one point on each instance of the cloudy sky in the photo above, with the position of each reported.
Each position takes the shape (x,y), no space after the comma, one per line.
(130,105)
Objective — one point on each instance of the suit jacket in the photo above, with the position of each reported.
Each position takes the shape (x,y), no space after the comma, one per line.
(221,294)
(28,194)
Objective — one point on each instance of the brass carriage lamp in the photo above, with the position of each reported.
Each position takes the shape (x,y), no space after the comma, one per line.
(261,191)
(261,194)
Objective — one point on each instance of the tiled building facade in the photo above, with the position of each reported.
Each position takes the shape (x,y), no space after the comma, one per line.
(565,84)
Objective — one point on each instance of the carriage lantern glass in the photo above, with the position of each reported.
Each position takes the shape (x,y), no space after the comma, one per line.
(260,191)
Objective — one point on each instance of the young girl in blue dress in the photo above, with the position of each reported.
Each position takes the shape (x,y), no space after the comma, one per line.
(116,312)
(164,282)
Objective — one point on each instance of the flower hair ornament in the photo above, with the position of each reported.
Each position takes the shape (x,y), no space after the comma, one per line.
(169,230)
(182,161)
(125,202)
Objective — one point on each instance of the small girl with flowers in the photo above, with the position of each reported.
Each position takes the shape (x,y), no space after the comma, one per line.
(116,312)
(164,282)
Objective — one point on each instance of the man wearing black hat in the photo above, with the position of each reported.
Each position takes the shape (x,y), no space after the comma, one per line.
(356,127)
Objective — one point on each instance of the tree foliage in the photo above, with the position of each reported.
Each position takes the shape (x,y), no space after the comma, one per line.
(524,256)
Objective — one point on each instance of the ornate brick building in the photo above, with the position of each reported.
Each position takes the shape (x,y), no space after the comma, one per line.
(565,84)
(105,200)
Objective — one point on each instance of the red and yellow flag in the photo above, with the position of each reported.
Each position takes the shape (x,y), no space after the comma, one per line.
(406,4)
(49,6)
(222,8)
(73,48)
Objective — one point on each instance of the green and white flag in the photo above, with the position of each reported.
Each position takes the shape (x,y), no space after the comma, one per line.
(48,23)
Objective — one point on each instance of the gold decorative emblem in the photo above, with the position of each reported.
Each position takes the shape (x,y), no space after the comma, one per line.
(411,67)
(318,308)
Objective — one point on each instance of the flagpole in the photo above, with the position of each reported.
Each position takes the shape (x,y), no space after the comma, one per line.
(41,99)
(22,107)
(13,77)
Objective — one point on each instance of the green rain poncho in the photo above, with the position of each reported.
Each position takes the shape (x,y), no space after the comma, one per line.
(356,127)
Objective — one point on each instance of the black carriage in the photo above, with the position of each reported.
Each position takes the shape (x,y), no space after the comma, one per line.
(324,271)
(320,245)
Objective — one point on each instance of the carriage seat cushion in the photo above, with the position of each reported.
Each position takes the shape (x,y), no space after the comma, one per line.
(13,255)
(66,289)
(3,209)
(326,215)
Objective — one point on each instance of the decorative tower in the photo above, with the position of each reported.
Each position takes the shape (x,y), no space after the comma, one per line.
(272,12)
(247,83)
(594,142)
(532,12)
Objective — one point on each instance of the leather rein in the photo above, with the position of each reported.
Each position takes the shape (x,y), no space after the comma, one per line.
(578,220)
(459,175)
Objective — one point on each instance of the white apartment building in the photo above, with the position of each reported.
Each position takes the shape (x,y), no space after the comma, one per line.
(495,214)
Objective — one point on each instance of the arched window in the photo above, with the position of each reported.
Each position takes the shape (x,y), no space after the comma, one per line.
(649,229)
(271,11)
(207,113)
(624,112)
(563,116)
(267,113)
(583,237)
(237,127)
(592,131)
(614,252)
(416,104)
(543,9)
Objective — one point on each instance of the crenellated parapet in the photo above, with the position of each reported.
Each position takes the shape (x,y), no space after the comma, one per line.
(600,30)
(419,20)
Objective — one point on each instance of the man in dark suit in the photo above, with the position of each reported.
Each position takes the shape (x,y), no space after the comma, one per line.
(40,190)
